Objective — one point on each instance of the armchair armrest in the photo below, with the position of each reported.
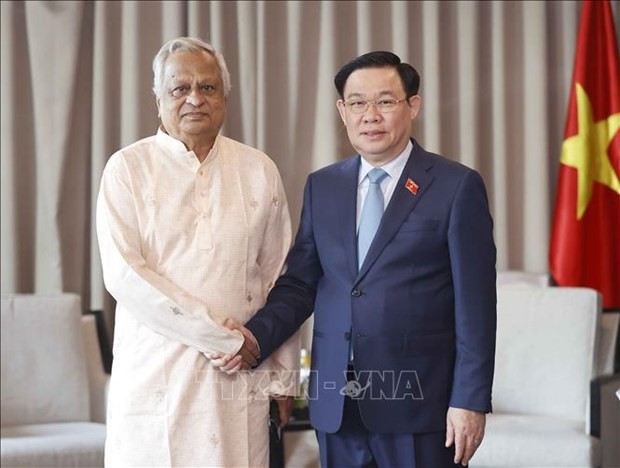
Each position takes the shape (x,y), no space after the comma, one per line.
(605,416)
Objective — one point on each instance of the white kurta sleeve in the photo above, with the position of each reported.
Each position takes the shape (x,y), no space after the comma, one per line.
(153,300)
(283,364)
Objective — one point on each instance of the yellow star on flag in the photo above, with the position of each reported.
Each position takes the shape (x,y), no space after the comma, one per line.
(587,151)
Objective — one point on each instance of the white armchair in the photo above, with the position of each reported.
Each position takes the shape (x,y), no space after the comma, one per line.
(53,384)
(548,352)
(518,278)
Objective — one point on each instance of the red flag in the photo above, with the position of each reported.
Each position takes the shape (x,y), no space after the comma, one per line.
(412,186)
(585,238)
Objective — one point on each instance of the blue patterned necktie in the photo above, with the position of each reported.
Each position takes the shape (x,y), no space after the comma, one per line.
(371,214)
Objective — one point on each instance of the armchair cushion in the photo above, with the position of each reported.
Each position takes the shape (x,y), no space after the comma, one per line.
(536,441)
(57,444)
(44,371)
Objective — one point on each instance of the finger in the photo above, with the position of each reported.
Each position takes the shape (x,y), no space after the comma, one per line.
(476,441)
(459,447)
(251,347)
(247,357)
(235,361)
(221,361)
(249,342)
(232,363)
(234,369)
(245,365)
(449,434)
(469,451)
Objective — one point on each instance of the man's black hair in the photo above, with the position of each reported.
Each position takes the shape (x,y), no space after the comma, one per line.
(379,59)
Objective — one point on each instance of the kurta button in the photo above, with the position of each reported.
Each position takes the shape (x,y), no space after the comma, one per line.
(356,292)
(347,336)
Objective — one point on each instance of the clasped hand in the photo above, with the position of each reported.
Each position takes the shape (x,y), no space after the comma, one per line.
(246,358)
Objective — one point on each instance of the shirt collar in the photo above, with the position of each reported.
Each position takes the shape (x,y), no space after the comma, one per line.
(394,168)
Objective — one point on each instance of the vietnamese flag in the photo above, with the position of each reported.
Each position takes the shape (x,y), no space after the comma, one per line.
(585,237)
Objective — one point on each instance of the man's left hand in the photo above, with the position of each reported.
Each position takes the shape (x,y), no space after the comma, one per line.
(465,429)
(285,408)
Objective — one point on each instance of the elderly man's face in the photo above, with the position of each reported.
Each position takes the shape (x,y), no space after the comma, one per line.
(192,103)
(376,135)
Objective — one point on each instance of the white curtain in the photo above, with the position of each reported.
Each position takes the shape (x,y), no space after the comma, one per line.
(76,86)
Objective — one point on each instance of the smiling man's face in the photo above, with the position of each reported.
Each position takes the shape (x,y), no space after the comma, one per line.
(378,137)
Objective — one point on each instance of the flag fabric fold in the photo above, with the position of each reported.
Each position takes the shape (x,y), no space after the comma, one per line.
(585,235)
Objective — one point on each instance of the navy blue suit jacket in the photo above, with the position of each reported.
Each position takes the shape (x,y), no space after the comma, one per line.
(421,311)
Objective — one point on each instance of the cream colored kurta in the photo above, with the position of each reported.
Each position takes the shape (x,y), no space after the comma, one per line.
(184,246)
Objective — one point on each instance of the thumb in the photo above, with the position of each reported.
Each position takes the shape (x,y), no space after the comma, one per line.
(232,324)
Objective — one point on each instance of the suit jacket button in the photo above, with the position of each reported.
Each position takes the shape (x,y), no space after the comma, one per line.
(347,336)
(356,292)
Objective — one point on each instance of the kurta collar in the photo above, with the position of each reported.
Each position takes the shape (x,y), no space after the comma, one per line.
(171,143)
(178,147)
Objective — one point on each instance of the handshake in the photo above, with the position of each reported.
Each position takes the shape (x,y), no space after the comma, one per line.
(246,358)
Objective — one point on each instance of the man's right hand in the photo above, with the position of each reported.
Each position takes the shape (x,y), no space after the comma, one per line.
(246,357)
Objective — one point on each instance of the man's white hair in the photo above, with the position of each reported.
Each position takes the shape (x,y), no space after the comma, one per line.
(186,44)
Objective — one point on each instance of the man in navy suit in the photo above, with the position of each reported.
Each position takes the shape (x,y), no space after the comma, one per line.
(404,326)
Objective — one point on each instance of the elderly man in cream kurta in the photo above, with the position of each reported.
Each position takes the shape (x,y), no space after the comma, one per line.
(193,228)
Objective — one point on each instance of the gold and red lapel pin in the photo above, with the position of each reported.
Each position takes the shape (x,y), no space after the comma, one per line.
(412,186)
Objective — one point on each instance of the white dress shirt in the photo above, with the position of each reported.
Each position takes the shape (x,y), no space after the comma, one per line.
(394,170)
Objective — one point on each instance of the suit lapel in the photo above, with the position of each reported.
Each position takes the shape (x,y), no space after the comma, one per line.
(403,201)
(348,211)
